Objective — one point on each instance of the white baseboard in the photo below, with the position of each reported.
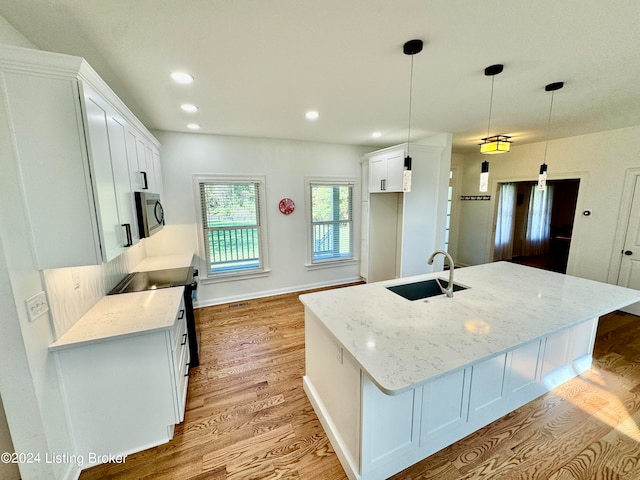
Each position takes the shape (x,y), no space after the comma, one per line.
(207,302)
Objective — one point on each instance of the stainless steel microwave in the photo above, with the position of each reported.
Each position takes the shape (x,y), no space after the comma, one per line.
(149,212)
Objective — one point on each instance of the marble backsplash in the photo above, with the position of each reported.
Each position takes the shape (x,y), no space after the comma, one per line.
(73,291)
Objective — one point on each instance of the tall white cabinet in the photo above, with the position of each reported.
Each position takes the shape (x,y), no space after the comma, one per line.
(400,229)
(70,135)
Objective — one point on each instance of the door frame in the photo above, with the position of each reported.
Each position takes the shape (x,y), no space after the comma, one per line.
(622,224)
(582,176)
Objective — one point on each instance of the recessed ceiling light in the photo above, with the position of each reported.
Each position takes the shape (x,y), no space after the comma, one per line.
(181,77)
(312,115)
(187,107)
(193,126)
(376,134)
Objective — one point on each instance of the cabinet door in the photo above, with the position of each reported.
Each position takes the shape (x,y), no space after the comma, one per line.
(524,373)
(143,167)
(157,169)
(121,180)
(377,174)
(135,176)
(487,399)
(445,404)
(395,171)
(390,427)
(583,337)
(151,173)
(111,233)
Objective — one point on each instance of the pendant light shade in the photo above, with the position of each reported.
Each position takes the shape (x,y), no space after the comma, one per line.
(411,48)
(542,176)
(497,143)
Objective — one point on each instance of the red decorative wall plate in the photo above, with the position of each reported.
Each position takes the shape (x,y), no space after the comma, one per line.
(286,206)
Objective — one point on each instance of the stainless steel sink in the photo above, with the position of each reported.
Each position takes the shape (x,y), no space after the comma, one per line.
(423,289)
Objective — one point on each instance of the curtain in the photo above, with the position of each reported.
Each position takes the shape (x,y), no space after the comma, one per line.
(505,222)
(538,221)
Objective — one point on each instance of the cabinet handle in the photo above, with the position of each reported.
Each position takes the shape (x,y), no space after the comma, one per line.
(382,184)
(187,374)
(184,339)
(145,183)
(628,252)
(181,314)
(127,229)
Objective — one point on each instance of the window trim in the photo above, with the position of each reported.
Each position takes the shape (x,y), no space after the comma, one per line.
(205,275)
(333,181)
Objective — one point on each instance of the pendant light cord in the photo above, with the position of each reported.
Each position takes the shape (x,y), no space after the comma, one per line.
(410,102)
(493,77)
(548,128)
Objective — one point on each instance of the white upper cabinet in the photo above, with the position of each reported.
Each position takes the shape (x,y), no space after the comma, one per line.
(386,171)
(143,170)
(69,136)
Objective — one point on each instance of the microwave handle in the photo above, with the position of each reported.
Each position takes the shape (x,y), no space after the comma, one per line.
(158,212)
(145,182)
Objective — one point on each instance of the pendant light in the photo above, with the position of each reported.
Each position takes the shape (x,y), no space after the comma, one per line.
(542,176)
(409,48)
(492,145)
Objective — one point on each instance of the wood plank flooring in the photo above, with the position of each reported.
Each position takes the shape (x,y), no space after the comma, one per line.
(248,417)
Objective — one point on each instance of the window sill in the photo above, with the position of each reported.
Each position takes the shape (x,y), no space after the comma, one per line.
(233,276)
(331,264)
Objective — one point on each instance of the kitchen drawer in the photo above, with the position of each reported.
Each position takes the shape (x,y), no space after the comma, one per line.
(182,382)
(180,326)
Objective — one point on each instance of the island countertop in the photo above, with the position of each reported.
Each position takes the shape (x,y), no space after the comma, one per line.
(401,343)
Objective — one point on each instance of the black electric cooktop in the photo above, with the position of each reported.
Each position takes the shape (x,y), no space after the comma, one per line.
(140,281)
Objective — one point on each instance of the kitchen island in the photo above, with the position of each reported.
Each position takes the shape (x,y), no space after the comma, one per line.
(393,380)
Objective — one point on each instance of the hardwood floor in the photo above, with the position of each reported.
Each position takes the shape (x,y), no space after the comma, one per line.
(248,416)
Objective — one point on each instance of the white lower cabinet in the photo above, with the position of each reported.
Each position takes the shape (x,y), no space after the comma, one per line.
(400,430)
(390,426)
(444,409)
(126,394)
(487,389)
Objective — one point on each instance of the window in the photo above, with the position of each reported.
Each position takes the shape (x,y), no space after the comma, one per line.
(234,237)
(331,205)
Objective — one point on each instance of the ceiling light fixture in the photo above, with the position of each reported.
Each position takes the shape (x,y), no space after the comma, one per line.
(181,77)
(312,115)
(542,177)
(496,143)
(193,126)
(189,108)
(411,47)
(376,134)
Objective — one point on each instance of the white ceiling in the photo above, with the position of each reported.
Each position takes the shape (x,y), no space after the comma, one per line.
(260,64)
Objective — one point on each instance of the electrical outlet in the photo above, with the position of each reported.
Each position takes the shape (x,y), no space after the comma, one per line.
(37,305)
(339,354)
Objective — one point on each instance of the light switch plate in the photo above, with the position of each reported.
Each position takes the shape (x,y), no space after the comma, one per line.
(37,305)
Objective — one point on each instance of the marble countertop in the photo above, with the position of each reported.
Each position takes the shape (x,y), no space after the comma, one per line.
(401,343)
(162,262)
(122,315)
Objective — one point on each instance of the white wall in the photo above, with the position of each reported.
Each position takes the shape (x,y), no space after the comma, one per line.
(284,165)
(600,160)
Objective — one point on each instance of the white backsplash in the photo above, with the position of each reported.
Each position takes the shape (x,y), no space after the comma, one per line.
(73,291)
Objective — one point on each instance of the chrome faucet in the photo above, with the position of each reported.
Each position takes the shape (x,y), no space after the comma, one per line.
(449,290)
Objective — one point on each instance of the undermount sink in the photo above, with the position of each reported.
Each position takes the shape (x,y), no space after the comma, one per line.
(423,289)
